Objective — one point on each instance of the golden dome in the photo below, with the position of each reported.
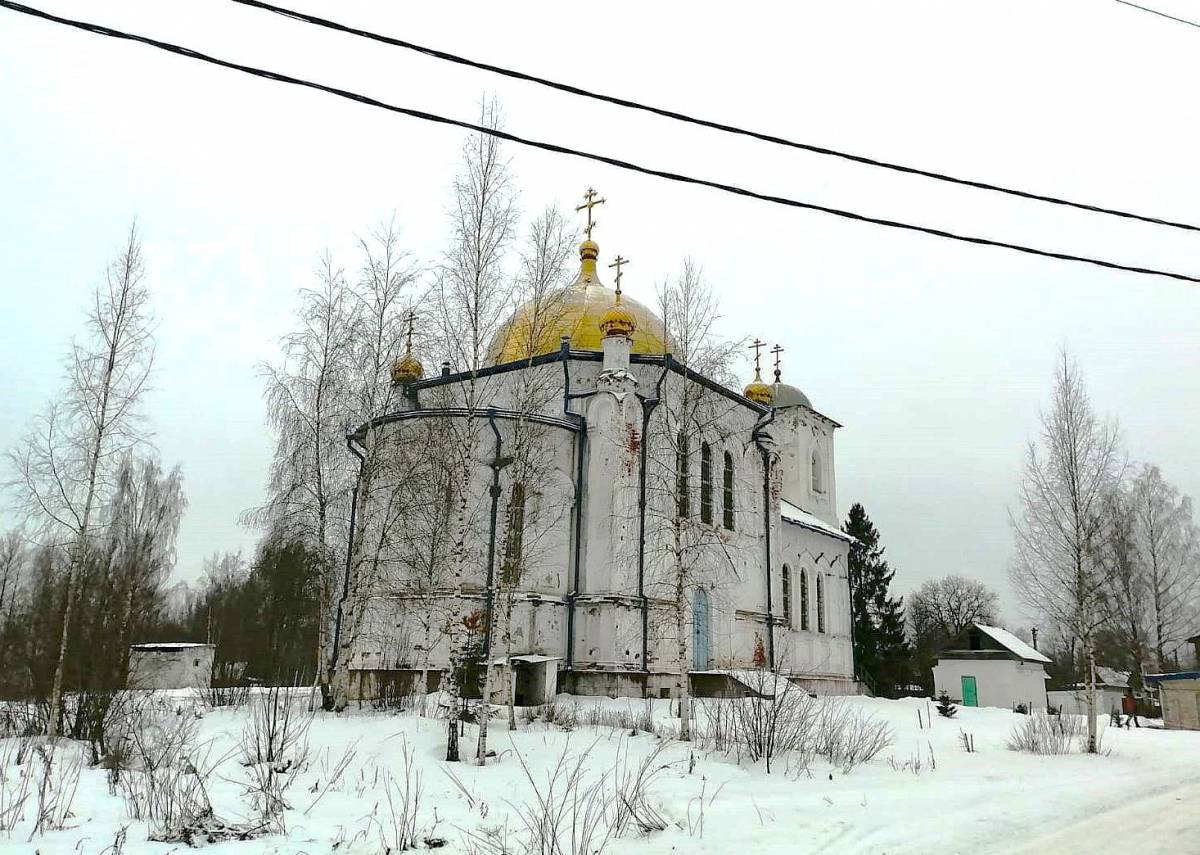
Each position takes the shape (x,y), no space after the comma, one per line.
(407,369)
(618,320)
(577,312)
(758,391)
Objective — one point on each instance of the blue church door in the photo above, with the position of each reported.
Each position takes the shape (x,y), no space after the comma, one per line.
(701,632)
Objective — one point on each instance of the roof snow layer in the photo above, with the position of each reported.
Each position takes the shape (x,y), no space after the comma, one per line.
(1012,643)
(793,514)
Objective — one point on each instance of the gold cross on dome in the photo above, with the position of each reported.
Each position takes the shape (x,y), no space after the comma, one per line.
(617,262)
(590,202)
(412,317)
(757,347)
(777,349)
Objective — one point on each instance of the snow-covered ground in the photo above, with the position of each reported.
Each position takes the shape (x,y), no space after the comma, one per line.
(923,793)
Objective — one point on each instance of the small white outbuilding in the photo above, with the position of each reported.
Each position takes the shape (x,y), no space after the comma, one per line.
(990,667)
(1111,687)
(171,665)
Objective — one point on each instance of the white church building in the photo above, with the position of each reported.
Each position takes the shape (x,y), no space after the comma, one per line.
(610,483)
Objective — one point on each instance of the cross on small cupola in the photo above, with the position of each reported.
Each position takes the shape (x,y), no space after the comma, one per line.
(776,350)
(757,345)
(617,262)
(590,201)
(407,368)
(757,390)
(618,321)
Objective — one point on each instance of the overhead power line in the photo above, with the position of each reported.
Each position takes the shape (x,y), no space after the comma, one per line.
(1146,9)
(706,123)
(558,149)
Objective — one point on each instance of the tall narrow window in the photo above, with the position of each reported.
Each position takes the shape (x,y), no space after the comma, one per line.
(818,480)
(510,572)
(683,505)
(820,602)
(706,485)
(727,492)
(804,600)
(787,596)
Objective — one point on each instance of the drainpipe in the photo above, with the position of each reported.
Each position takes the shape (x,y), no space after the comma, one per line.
(765,452)
(580,446)
(648,405)
(337,622)
(497,464)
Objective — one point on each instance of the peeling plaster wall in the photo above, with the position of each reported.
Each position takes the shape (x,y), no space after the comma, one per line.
(729,565)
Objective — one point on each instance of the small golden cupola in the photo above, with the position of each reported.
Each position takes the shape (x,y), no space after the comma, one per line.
(407,369)
(758,391)
(618,320)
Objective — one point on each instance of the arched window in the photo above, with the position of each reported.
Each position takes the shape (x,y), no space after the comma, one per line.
(727,492)
(514,538)
(706,485)
(683,505)
(787,596)
(820,602)
(804,600)
(818,479)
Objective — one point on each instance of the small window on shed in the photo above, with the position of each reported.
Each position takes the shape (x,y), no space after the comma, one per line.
(195,663)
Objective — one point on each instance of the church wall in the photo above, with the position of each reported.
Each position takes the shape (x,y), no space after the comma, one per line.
(801,433)
(810,651)
(412,603)
(729,565)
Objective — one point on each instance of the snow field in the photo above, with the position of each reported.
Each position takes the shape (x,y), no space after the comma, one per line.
(920,792)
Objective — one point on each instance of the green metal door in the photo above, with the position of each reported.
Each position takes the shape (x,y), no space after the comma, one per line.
(970,697)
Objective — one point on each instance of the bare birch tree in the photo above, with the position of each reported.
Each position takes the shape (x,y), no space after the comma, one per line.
(308,407)
(1058,569)
(14,561)
(692,551)
(472,296)
(384,300)
(66,465)
(1167,546)
(130,566)
(1127,583)
(540,289)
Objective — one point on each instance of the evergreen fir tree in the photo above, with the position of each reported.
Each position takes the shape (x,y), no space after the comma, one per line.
(880,651)
(945,706)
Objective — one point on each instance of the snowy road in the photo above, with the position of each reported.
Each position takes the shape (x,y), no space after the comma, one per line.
(1165,823)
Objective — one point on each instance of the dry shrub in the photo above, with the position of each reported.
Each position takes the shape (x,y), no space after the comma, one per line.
(631,782)
(403,796)
(15,778)
(784,721)
(162,772)
(568,815)
(274,750)
(1040,733)
(55,789)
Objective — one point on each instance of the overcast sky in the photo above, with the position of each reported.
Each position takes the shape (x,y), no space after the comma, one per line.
(935,356)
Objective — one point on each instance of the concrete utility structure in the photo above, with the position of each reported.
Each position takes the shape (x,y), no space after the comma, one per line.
(171,665)
(990,667)
(609,481)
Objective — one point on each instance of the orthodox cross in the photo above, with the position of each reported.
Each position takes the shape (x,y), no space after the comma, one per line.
(777,350)
(412,317)
(617,262)
(590,202)
(757,347)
